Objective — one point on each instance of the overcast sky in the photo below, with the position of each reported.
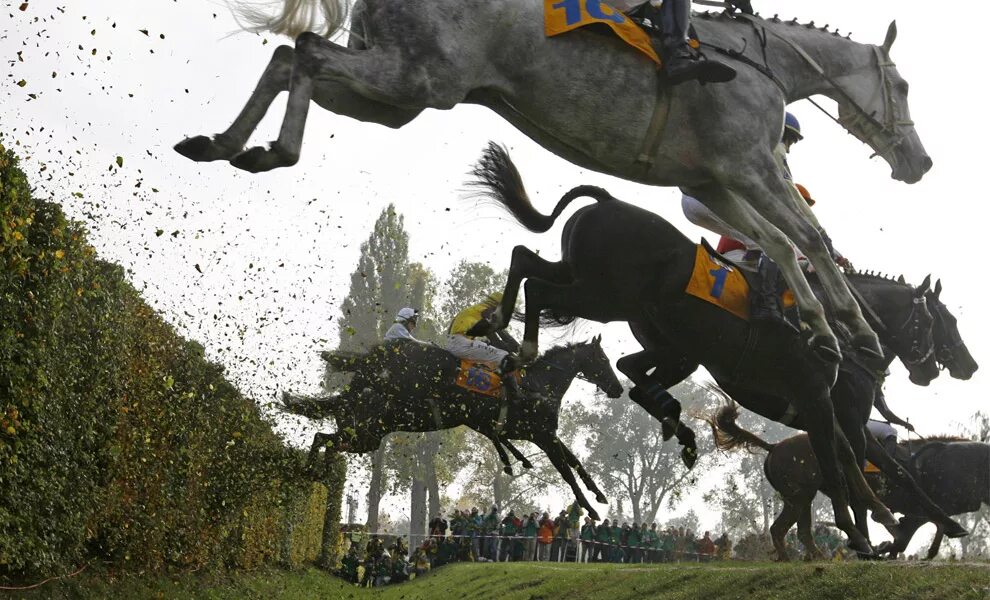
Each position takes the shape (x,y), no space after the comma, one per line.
(130,79)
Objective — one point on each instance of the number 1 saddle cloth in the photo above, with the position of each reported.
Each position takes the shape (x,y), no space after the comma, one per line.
(723,284)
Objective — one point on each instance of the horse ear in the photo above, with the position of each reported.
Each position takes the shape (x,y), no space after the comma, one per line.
(938,288)
(891,36)
(900,279)
(597,339)
(924,286)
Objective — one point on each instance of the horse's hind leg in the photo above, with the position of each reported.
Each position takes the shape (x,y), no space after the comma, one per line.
(781,525)
(228,144)
(811,549)
(526,263)
(556,456)
(380,77)
(564,299)
(585,477)
(515,452)
(502,456)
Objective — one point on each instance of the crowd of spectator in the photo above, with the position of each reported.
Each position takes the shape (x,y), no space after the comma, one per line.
(491,537)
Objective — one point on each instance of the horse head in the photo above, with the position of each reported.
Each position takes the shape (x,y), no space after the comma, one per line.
(874,108)
(950,349)
(594,364)
(907,324)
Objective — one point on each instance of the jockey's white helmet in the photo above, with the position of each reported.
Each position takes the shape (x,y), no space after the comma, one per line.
(406,314)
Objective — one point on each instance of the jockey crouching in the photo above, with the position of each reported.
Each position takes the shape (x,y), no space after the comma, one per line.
(681,61)
(462,341)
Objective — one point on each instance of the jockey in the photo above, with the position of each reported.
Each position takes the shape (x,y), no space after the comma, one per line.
(885,434)
(405,322)
(681,62)
(462,341)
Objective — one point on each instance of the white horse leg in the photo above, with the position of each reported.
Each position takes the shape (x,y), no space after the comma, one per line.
(777,200)
(228,144)
(384,78)
(750,223)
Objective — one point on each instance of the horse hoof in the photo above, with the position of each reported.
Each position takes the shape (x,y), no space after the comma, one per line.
(826,348)
(205,149)
(954,530)
(507,470)
(593,514)
(259,159)
(861,549)
(689,455)
(868,346)
(527,465)
(601,499)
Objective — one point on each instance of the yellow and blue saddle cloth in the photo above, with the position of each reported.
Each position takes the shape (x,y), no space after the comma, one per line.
(561,16)
(721,283)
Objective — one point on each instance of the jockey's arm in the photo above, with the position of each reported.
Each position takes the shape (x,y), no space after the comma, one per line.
(482,328)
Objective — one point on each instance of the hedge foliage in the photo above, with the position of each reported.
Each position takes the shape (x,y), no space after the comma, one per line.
(119,441)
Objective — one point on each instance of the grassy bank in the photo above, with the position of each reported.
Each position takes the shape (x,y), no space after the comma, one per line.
(531,581)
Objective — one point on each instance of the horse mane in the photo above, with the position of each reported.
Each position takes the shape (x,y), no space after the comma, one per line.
(561,348)
(726,15)
(877,275)
(945,438)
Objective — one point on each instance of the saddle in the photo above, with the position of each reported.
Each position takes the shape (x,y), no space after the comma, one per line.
(747,294)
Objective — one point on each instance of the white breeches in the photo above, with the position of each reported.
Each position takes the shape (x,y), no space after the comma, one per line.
(700,215)
(468,349)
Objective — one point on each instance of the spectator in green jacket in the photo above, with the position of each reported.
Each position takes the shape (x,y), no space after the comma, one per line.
(489,527)
(616,542)
(603,538)
(530,529)
(510,527)
(587,539)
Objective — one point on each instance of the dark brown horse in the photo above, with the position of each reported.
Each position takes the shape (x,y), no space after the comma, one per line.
(408,386)
(954,474)
(623,263)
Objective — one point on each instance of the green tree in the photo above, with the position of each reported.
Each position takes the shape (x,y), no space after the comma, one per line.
(628,454)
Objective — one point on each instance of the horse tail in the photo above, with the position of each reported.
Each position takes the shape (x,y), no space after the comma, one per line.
(729,435)
(324,17)
(497,178)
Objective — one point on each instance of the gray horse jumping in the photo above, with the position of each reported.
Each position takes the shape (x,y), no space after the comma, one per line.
(595,102)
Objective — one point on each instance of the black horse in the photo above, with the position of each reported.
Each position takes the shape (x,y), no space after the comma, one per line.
(623,263)
(408,386)
(954,473)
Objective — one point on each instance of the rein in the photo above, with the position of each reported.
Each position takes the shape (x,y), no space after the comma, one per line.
(857,123)
(911,326)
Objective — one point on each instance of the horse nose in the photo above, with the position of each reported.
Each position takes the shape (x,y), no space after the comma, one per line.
(926,164)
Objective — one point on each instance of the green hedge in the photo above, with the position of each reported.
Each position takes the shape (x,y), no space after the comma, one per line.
(119,441)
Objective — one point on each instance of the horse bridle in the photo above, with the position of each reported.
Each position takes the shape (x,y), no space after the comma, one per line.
(922,344)
(945,353)
(885,132)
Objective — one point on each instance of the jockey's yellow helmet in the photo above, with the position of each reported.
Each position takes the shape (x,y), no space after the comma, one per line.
(494,298)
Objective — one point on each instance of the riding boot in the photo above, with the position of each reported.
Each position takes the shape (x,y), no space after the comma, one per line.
(513,394)
(680,61)
(765,304)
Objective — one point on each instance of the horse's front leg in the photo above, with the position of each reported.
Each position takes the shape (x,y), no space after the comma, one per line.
(735,211)
(776,199)
(497,443)
(526,263)
(228,144)
(559,461)
(582,473)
